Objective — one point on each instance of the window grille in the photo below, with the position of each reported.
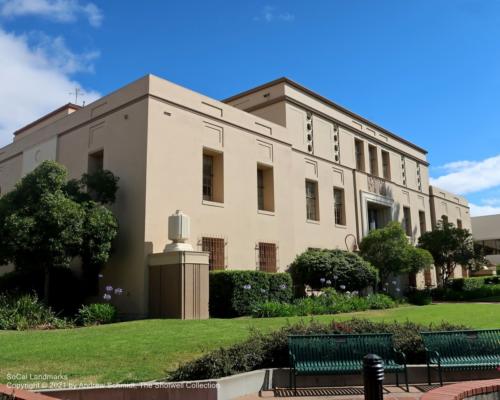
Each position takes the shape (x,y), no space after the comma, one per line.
(215,248)
(267,257)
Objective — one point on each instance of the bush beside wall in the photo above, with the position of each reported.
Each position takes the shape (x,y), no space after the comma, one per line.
(329,302)
(236,293)
(271,350)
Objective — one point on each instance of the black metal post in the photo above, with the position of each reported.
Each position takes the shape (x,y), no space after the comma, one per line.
(373,377)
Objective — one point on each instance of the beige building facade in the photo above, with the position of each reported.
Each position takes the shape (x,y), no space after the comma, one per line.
(486,233)
(264,175)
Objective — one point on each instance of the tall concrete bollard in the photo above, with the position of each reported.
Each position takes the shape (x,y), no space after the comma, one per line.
(373,377)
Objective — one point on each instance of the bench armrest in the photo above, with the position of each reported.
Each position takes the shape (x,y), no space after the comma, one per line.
(429,353)
(291,358)
(401,355)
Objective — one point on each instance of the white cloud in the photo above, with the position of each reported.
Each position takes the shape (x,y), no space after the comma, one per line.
(269,14)
(479,210)
(464,177)
(35,78)
(57,10)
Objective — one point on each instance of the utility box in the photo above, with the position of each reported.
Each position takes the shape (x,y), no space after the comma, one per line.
(178,285)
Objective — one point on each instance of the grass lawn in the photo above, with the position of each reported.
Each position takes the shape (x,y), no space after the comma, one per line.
(144,350)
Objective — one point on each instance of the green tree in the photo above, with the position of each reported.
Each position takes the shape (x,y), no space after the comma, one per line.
(389,250)
(46,221)
(450,246)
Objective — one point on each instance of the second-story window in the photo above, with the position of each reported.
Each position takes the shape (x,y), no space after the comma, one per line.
(407,221)
(386,164)
(312,212)
(423,225)
(208,177)
(265,188)
(359,150)
(339,204)
(213,176)
(372,154)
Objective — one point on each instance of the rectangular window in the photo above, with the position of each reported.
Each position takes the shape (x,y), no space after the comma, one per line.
(444,219)
(459,223)
(421,220)
(215,248)
(407,221)
(312,211)
(213,176)
(267,257)
(372,155)
(359,149)
(265,188)
(386,164)
(95,162)
(339,204)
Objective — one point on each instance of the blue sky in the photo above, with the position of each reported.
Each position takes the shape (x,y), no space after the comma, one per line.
(427,70)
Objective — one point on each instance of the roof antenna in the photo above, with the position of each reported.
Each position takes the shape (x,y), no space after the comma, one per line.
(76,93)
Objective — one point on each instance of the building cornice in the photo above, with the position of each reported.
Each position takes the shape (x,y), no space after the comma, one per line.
(327,102)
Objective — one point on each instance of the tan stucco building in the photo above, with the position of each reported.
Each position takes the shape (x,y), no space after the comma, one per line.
(486,233)
(264,175)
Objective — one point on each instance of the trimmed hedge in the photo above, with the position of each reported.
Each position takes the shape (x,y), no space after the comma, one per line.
(330,302)
(237,293)
(271,350)
(482,292)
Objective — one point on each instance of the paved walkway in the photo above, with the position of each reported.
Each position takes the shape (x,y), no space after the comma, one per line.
(349,393)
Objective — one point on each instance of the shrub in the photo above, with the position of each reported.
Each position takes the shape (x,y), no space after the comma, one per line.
(27,312)
(65,291)
(280,287)
(317,267)
(271,350)
(466,283)
(236,293)
(419,297)
(329,302)
(97,314)
(487,290)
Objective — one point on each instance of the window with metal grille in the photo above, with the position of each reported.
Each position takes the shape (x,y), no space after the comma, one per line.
(312,200)
(421,218)
(267,257)
(339,204)
(407,221)
(459,223)
(208,175)
(215,248)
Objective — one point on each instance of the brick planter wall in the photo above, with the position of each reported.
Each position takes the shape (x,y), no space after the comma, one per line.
(459,391)
(19,394)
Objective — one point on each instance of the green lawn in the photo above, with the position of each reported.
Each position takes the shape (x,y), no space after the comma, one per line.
(144,350)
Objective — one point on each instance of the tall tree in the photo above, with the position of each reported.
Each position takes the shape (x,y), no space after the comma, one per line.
(450,246)
(46,221)
(389,250)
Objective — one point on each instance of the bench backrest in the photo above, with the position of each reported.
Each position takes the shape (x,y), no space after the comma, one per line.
(317,348)
(463,343)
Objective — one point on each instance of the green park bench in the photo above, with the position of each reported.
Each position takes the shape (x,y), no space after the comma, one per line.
(341,355)
(461,350)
